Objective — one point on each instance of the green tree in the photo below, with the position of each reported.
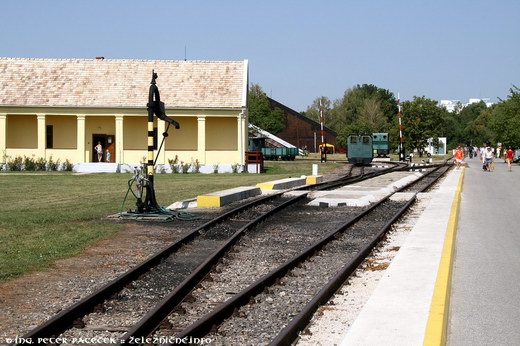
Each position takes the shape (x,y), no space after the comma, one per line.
(479,131)
(363,109)
(260,112)
(466,119)
(313,111)
(422,119)
(504,119)
(372,119)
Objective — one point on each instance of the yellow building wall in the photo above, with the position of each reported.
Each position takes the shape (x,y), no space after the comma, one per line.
(135,134)
(22,132)
(221,129)
(185,138)
(135,156)
(65,130)
(63,154)
(218,157)
(221,134)
(185,156)
(103,125)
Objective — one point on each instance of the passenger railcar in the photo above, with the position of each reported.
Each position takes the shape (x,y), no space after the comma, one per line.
(359,149)
(380,144)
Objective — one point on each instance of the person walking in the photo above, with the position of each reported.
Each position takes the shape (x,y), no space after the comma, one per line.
(459,156)
(487,159)
(323,152)
(509,157)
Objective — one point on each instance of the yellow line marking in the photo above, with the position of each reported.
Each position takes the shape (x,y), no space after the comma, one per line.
(437,325)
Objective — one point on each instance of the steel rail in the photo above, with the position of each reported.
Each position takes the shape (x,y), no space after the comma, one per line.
(151,320)
(300,321)
(205,324)
(66,318)
(363,176)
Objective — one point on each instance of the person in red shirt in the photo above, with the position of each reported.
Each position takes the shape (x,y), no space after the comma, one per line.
(459,156)
(509,157)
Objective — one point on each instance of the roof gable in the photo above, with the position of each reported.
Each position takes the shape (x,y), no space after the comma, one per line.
(121,83)
(300,116)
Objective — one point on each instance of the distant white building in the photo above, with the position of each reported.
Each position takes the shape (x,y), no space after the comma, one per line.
(450,105)
(456,105)
(439,149)
(486,101)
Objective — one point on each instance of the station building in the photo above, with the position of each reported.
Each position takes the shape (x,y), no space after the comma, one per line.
(64,107)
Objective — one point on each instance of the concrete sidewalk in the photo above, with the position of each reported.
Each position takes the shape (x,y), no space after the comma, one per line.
(485,302)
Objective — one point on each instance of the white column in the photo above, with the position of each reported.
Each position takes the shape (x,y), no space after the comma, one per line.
(242,137)
(161,127)
(3,136)
(119,139)
(80,138)
(201,138)
(41,135)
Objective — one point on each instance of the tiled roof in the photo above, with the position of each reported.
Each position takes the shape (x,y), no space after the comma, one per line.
(121,83)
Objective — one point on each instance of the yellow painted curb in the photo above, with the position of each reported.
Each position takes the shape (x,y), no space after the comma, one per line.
(436,327)
(265,186)
(208,201)
(313,179)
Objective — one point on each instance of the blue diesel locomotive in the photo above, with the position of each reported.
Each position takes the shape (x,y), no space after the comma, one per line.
(359,149)
(380,144)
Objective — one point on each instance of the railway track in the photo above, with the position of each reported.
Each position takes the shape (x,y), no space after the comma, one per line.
(119,305)
(278,305)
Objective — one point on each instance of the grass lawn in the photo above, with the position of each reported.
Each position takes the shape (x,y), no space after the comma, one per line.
(46,217)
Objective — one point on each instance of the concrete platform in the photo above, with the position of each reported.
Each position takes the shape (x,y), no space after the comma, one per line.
(484,302)
(96,167)
(402,305)
(360,195)
(184,204)
(282,184)
(221,198)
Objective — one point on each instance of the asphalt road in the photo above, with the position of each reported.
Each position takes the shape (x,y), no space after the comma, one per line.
(485,296)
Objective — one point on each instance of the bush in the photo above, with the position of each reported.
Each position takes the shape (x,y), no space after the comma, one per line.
(15,165)
(29,164)
(234,167)
(67,166)
(53,165)
(196,166)
(174,164)
(215,168)
(185,167)
(41,164)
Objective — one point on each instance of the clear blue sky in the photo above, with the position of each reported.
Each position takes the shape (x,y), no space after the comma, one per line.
(297,50)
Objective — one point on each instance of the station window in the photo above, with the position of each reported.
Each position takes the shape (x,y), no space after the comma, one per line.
(366,139)
(49,136)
